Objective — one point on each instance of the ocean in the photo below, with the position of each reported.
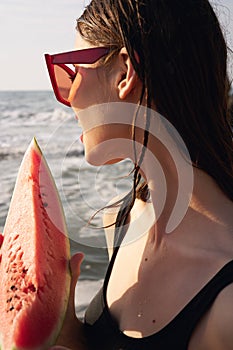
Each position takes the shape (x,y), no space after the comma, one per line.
(84,189)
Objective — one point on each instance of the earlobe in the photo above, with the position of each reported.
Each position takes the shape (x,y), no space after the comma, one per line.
(128,79)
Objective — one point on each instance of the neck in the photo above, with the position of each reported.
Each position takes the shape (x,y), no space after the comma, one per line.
(182,194)
(199,214)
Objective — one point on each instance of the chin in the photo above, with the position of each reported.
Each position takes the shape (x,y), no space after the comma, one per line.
(114,161)
(100,158)
(102,153)
(98,161)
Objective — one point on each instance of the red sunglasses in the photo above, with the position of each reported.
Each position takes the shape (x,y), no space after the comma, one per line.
(62,76)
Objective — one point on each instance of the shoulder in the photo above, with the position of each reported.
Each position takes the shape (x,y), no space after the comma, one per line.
(219,321)
(222,316)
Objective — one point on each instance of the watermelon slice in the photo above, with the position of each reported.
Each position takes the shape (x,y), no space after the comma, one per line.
(34,270)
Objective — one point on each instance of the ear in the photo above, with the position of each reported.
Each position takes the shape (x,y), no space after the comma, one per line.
(127,77)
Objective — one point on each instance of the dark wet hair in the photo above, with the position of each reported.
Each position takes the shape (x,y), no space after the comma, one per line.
(183,67)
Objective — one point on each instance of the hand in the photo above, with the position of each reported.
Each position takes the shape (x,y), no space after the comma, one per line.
(71,335)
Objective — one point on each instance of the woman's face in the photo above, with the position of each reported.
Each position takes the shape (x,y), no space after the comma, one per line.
(92,85)
(99,96)
(95,85)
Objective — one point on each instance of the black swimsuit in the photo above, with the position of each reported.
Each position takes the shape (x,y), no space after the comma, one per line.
(103,332)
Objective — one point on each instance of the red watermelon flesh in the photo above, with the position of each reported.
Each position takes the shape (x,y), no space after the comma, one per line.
(34,270)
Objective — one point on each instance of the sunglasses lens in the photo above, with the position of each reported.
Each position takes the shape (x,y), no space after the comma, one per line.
(63,80)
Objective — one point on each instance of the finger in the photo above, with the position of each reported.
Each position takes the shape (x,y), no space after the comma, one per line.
(68,334)
(75,264)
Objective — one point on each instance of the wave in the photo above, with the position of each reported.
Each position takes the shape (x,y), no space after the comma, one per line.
(24,115)
(12,154)
(29,118)
(7,152)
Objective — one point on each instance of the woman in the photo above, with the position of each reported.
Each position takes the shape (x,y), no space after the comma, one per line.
(167,57)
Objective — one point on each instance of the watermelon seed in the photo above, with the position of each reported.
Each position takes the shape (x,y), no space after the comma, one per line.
(31,288)
(45,205)
(18,249)
(13,288)
(9,300)
(13,258)
(12,308)
(20,255)
(18,307)
(16,237)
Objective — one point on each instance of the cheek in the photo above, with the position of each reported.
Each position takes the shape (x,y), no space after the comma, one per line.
(81,92)
(88,89)
(73,96)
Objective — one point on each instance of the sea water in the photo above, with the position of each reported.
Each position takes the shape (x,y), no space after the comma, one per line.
(83,189)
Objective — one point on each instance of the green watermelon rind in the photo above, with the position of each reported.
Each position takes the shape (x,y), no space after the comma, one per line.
(54,337)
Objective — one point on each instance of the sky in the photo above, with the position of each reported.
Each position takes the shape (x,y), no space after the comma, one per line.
(30,28)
